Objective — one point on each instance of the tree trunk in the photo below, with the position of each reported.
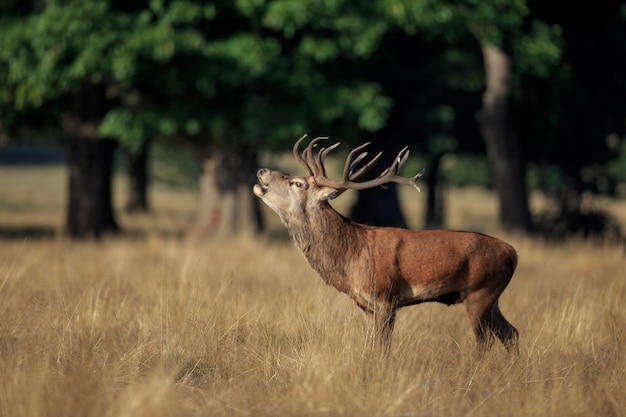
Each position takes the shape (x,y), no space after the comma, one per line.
(434,196)
(90,210)
(138,179)
(503,149)
(227,207)
(379,206)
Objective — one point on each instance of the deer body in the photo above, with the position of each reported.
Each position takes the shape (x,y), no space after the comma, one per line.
(382,268)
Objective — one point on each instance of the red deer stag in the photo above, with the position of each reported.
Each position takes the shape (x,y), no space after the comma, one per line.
(381,268)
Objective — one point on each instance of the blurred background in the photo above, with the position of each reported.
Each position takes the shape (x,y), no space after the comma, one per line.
(114,112)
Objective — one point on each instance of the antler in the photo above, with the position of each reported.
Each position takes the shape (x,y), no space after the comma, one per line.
(314,165)
(298,156)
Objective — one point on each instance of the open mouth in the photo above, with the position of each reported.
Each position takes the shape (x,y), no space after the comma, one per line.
(260,189)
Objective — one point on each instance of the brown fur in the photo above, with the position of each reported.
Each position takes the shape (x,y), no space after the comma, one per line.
(383,269)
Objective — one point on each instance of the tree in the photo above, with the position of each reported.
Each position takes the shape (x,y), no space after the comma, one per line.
(503,147)
(303,85)
(224,76)
(76,62)
(513,43)
(582,107)
(504,36)
(138,177)
(430,112)
(46,56)
(230,79)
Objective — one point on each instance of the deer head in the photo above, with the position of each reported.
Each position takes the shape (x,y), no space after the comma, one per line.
(290,196)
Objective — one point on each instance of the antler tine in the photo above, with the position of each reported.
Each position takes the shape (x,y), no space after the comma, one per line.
(399,161)
(403,156)
(413,180)
(300,157)
(391,174)
(321,156)
(326,151)
(352,162)
(316,167)
(365,168)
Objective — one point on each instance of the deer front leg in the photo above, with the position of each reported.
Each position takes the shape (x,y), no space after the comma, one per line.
(380,327)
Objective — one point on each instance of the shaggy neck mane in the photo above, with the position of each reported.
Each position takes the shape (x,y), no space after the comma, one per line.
(328,241)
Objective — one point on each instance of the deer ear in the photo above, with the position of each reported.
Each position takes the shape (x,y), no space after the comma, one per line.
(327,193)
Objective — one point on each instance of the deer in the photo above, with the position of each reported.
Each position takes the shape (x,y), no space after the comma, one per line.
(383,269)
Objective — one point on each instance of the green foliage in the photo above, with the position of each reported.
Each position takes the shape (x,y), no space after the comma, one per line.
(122,123)
(495,20)
(367,101)
(356,26)
(185,69)
(462,170)
(545,177)
(56,50)
(430,17)
(251,55)
(539,51)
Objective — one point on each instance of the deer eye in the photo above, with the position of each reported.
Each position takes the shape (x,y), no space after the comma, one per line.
(297,183)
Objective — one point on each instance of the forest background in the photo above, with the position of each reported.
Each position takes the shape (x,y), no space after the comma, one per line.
(512,95)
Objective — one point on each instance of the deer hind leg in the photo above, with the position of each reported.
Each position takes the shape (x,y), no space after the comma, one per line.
(504,330)
(487,320)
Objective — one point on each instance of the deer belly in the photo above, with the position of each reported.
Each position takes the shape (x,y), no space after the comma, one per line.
(416,295)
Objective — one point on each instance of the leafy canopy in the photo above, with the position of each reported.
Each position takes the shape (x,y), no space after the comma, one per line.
(185,68)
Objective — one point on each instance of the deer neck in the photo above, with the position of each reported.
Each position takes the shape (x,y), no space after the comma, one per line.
(328,241)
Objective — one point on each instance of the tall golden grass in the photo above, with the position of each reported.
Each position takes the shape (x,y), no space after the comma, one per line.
(154,325)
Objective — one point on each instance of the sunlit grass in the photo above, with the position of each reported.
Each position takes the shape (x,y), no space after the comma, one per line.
(158,326)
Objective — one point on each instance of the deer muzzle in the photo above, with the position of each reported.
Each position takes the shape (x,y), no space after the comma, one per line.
(261,188)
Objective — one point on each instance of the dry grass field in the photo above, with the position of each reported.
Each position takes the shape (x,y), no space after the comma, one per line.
(154,325)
